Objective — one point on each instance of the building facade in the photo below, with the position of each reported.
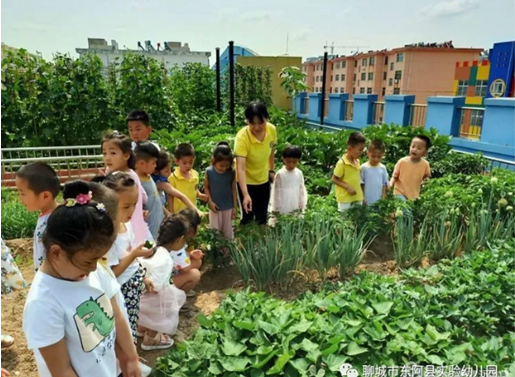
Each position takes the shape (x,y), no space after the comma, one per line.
(171,53)
(418,70)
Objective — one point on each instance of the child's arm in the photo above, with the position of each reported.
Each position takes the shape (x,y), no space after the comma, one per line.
(385,183)
(303,194)
(277,193)
(427,174)
(396,173)
(124,347)
(202,196)
(174,193)
(212,205)
(363,176)
(124,263)
(338,182)
(234,196)
(57,359)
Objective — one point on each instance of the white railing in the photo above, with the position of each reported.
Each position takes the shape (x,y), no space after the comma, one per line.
(73,162)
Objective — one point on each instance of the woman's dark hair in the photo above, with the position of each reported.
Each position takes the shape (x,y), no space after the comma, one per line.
(103,194)
(124,143)
(192,217)
(292,151)
(172,228)
(163,160)
(81,226)
(223,152)
(256,109)
(118,181)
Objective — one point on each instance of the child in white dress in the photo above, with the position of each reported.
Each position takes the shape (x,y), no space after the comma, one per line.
(288,190)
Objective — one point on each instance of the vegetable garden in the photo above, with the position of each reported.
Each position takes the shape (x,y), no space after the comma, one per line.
(447,303)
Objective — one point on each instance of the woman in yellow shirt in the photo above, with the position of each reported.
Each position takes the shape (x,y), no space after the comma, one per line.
(254,149)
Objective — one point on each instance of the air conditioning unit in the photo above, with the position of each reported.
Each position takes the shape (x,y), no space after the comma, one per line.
(396,81)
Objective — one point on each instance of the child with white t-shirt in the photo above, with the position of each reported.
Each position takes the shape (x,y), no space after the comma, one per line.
(71,318)
(122,257)
(38,186)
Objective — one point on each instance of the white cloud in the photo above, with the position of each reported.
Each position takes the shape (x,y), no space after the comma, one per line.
(301,35)
(450,8)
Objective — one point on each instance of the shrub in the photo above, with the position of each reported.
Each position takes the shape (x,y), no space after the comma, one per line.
(17,222)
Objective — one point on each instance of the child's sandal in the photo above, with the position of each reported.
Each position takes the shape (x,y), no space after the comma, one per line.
(160,342)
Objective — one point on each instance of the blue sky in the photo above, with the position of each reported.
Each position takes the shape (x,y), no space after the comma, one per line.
(62,25)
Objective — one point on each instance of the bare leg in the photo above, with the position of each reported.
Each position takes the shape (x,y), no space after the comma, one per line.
(188,280)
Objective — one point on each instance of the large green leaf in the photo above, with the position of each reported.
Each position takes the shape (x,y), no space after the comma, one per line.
(353,349)
(232,348)
(233,363)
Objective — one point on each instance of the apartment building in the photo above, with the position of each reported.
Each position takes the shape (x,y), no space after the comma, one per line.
(420,70)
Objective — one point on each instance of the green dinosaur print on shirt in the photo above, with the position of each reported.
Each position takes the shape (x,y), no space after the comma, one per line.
(91,312)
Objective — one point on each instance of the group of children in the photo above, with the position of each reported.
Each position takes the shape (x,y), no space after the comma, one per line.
(135,221)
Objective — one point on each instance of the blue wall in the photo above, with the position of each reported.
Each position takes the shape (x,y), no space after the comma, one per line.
(501,58)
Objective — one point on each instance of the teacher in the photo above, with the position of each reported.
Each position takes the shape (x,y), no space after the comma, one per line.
(254,149)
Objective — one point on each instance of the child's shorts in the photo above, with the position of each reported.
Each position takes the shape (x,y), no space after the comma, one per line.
(342,207)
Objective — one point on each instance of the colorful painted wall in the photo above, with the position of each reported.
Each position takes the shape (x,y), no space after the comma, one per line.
(500,82)
(475,74)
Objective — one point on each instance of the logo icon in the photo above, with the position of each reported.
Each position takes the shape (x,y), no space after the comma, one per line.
(347,370)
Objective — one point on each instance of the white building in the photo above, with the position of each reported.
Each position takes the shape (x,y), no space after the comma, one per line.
(171,53)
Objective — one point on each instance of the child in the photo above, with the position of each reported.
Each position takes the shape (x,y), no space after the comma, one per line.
(122,257)
(146,158)
(412,170)
(38,186)
(160,309)
(187,262)
(184,178)
(220,188)
(71,318)
(138,124)
(288,191)
(374,177)
(118,156)
(346,174)
(12,278)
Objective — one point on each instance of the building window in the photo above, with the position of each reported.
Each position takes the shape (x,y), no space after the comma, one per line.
(336,90)
(372,60)
(361,90)
(363,76)
(391,66)
(355,63)
(396,91)
(369,90)
(384,75)
(476,117)
(462,88)
(342,91)
(364,62)
(331,90)
(338,65)
(318,78)
(400,57)
(481,88)
(344,64)
(353,90)
(497,88)
(390,82)
(398,75)
(354,77)
(337,78)
(331,77)
(343,77)
(370,75)
(383,91)
(386,60)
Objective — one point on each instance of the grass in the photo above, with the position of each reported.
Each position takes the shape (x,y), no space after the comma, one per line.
(17,222)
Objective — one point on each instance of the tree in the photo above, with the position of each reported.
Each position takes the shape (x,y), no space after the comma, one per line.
(293,82)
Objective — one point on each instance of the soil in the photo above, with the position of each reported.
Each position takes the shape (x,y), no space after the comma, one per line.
(215,284)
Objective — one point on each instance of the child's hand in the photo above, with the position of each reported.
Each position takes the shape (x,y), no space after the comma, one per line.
(351,191)
(212,206)
(197,254)
(130,368)
(203,197)
(141,251)
(145,215)
(425,180)
(149,286)
(233,213)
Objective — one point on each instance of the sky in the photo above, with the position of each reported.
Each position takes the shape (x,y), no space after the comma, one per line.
(62,25)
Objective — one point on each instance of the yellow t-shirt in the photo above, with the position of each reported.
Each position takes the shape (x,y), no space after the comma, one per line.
(351,175)
(256,153)
(186,186)
(408,177)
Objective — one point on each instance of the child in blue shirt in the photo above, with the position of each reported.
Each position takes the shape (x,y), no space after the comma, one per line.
(374,177)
